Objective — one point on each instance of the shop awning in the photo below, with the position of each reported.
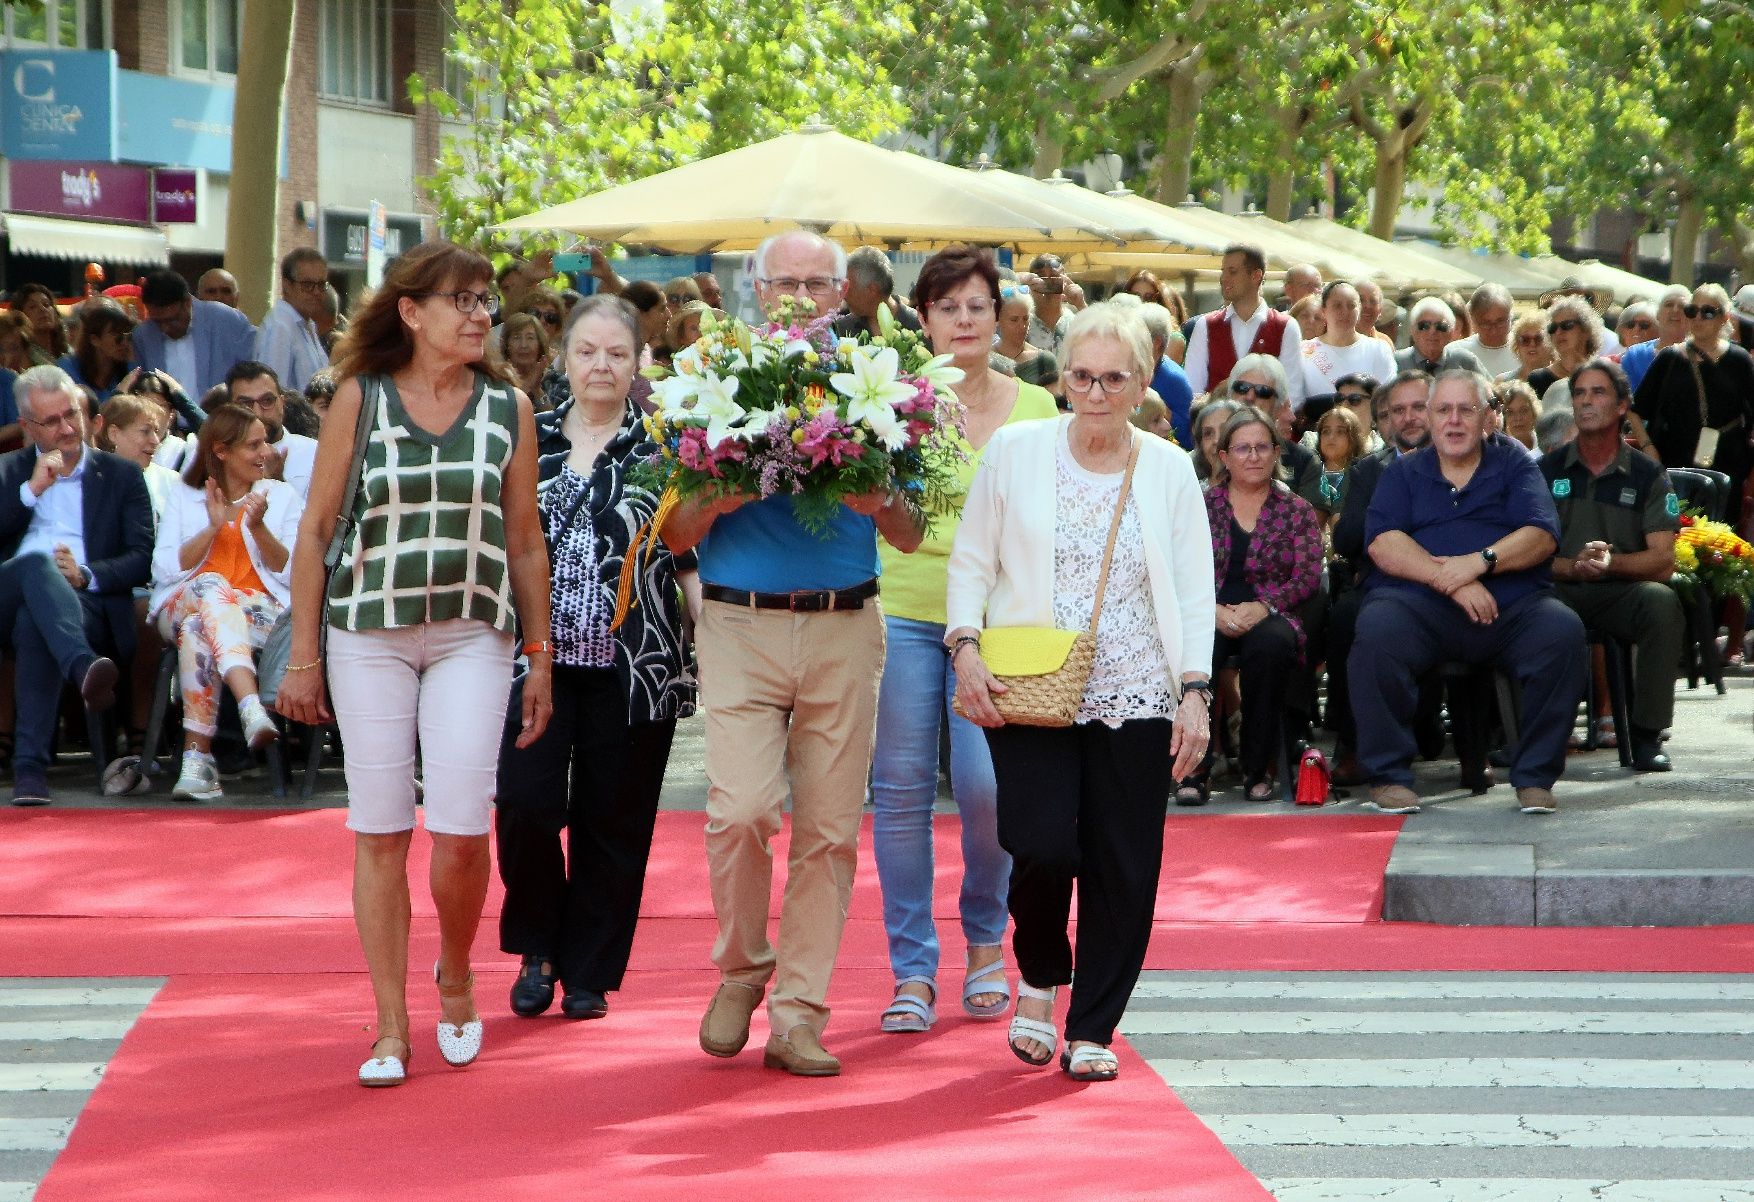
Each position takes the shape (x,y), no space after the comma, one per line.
(90,240)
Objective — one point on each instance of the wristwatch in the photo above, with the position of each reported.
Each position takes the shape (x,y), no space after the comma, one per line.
(1491,558)
(1198,686)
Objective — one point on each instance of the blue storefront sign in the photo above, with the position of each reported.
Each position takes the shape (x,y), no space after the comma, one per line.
(181,121)
(58,104)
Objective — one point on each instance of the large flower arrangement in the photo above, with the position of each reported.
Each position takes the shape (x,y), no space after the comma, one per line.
(789,408)
(1712,556)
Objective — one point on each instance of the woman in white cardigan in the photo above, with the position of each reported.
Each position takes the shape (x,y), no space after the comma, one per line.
(1085,804)
(221,574)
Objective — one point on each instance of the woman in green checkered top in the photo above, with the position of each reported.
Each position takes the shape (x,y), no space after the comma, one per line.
(445,565)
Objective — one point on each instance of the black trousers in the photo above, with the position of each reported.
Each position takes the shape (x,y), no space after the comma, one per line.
(51,630)
(597,777)
(1267,663)
(1083,804)
(1342,630)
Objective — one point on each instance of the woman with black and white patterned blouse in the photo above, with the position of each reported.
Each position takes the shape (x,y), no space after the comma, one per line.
(596,772)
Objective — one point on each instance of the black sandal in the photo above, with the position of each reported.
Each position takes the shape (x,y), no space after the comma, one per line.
(1192,792)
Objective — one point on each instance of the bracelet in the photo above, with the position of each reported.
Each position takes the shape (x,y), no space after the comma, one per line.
(315,663)
(965,641)
(544,647)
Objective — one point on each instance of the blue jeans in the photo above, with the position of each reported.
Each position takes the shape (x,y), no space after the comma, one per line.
(914,700)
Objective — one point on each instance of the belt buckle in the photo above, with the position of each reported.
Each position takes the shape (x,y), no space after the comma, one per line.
(804,603)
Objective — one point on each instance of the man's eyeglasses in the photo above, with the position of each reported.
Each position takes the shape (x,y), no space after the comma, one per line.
(1079,380)
(1425,327)
(68,419)
(1262,392)
(312,286)
(1352,398)
(950,310)
(1563,327)
(264,402)
(1708,312)
(816,285)
(1444,413)
(467,302)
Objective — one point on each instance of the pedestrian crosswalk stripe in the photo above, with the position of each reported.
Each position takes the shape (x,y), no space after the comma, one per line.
(34,1135)
(1462,1022)
(1486,1130)
(55,995)
(1442,989)
(47,1030)
(1501,1189)
(81,1076)
(1456,1072)
(17,1191)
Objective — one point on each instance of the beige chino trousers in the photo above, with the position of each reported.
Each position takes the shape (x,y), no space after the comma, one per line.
(789,698)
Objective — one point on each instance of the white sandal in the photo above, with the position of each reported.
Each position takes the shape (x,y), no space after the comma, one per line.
(1090,1053)
(910,1014)
(382,1071)
(459,1045)
(1033,1028)
(987,979)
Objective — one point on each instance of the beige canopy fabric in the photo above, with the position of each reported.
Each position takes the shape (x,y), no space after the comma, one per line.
(1526,279)
(816,178)
(1404,260)
(1207,229)
(1612,283)
(1143,232)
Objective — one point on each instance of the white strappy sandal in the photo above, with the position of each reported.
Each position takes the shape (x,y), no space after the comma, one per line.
(1032,1028)
(1090,1054)
(910,1014)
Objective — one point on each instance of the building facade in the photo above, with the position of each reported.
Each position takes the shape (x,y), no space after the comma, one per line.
(116,130)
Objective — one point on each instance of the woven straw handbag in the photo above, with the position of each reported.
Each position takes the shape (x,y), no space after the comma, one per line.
(1044,669)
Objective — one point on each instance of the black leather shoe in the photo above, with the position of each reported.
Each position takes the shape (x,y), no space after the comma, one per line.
(583,1003)
(1479,783)
(533,991)
(1647,753)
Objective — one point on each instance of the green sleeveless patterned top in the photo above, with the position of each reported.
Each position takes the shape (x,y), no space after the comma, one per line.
(429,539)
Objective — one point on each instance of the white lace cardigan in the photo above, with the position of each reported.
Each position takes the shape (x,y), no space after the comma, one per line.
(1002,563)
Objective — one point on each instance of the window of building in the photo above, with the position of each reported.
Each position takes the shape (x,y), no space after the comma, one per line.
(208,36)
(69,24)
(355,60)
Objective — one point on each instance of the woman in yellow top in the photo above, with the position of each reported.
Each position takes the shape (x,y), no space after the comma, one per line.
(957,297)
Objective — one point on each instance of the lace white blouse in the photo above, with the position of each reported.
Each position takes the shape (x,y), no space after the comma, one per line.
(1131,677)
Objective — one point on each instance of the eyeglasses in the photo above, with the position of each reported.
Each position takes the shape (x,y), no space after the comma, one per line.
(467,301)
(950,310)
(1562,327)
(265,401)
(1708,312)
(1529,340)
(1079,380)
(547,319)
(1639,323)
(306,285)
(1250,450)
(1352,398)
(65,418)
(816,285)
(1425,327)
(1444,413)
(1265,392)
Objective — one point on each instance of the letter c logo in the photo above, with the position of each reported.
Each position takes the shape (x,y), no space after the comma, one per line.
(38,74)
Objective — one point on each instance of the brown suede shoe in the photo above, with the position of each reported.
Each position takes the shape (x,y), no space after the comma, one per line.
(1394,799)
(800,1053)
(1532,799)
(725,1028)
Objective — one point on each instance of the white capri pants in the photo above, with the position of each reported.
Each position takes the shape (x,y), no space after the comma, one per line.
(445,682)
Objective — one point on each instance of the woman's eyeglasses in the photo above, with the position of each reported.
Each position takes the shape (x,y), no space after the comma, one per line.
(467,301)
(1529,340)
(1708,312)
(1563,327)
(1079,380)
(1263,392)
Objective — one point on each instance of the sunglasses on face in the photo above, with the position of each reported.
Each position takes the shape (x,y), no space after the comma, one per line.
(1566,326)
(1424,327)
(1264,392)
(1352,398)
(1529,340)
(1708,312)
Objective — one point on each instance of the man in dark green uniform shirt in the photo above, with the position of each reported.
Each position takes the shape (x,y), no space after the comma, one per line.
(1618,516)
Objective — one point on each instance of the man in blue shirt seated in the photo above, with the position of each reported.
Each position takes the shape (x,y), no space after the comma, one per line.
(1169,381)
(791,651)
(1461,534)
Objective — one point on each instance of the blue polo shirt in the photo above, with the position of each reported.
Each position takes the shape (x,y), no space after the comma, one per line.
(762,548)
(1636,360)
(1172,386)
(1507,492)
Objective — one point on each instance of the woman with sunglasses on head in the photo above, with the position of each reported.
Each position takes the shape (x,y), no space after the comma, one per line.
(1706,373)
(445,572)
(103,354)
(1576,332)
(1341,350)
(958,300)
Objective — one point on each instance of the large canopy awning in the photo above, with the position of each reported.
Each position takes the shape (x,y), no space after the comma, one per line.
(90,240)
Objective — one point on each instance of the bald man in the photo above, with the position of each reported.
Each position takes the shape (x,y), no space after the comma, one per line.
(218,284)
(1303,280)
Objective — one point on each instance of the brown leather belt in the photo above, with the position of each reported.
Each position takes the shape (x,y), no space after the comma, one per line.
(798,603)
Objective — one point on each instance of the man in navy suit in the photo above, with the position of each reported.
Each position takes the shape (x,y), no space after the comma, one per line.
(76,539)
(195,342)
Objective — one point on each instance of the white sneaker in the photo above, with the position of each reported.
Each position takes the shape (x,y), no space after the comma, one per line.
(199,780)
(259,728)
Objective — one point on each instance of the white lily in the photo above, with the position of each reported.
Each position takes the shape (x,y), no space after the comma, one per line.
(794,348)
(940,373)
(687,361)
(872,389)
(676,393)
(716,400)
(887,426)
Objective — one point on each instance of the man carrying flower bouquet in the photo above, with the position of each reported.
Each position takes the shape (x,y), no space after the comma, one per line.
(791,651)
(1618,516)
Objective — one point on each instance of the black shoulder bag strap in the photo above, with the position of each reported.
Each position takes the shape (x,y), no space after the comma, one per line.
(369,390)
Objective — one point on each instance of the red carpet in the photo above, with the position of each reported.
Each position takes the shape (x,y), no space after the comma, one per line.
(237,1080)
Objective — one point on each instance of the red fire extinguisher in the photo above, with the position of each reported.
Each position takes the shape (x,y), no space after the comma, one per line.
(1312,778)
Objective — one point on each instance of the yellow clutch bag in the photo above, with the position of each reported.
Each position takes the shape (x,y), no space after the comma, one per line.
(1026,650)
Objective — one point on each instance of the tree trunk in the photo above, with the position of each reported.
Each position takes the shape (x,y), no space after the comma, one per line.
(1175,162)
(252,222)
(1742,238)
(1288,126)
(1050,152)
(1684,242)
(1391,180)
